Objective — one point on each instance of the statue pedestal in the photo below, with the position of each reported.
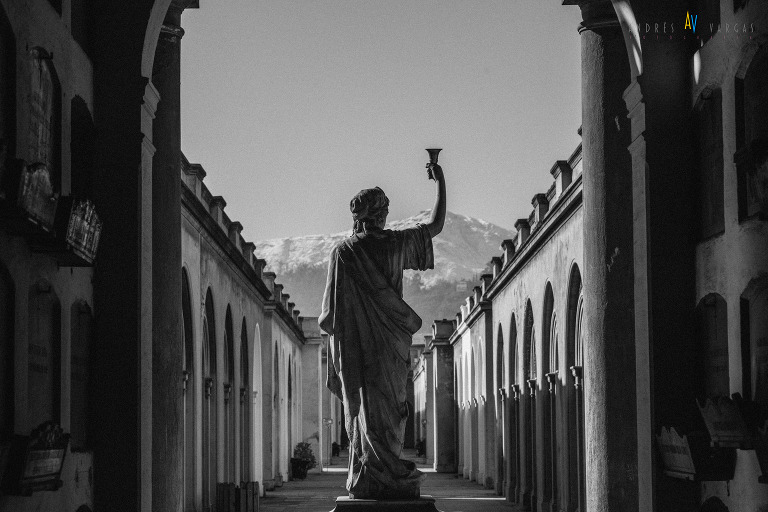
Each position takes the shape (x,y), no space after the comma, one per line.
(421,504)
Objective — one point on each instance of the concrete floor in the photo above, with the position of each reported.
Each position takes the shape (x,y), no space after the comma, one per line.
(319,491)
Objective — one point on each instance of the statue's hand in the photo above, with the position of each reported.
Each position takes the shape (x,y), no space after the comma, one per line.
(434,172)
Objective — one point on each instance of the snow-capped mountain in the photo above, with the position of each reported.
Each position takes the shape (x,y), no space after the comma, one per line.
(462,252)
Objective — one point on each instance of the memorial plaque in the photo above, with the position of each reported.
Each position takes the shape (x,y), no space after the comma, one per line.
(676,454)
(44,459)
(724,422)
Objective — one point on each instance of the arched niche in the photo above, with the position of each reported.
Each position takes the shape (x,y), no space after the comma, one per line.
(245,405)
(708,123)
(82,148)
(7,374)
(528,406)
(43,145)
(209,416)
(257,448)
(190,377)
(81,320)
(229,398)
(513,429)
(751,157)
(43,355)
(502,440)
(754,340)
(713,353)
(575,393)
(548,399)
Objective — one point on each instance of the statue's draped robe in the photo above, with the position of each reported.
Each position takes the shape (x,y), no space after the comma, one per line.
(371,327)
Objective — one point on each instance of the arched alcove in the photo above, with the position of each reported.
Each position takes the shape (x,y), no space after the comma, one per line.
(528,435)
(548,399)
(229,398)
(277,427)
(289,408)
(751,88)
(474,414)
(257,448)
(44,355)
(80,342)
(245,415)
(513,430)
(7,374)
(502,441)
(82,148)
(189,393)
(708,122)
(575,395)
(754,333)
(210,428)
(45,114)
(713,333)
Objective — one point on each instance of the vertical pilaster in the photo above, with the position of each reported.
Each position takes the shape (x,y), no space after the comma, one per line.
(552,438)
(442,397)
(530,495)
(120,405)
(514,481)
(611,478)
(430,407)
(167,349)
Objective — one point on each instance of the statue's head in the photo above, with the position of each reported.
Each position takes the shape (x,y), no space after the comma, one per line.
(369,209)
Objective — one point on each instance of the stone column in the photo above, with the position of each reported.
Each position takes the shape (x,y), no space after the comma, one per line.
(514,481)
(167,349)
(429,416)
(552,434)
(502,443)
(312,385)
(530,496)
(609,372)
(578,390)
(443,416)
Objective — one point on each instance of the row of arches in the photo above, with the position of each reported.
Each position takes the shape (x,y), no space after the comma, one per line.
(546,409)
(537,409)
(218,400)
(241,416)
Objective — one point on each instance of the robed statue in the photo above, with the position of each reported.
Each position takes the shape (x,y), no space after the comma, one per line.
(371,328)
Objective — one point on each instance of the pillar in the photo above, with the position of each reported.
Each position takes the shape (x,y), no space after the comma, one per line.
(443,417)
(167,349)
(430,406)
(120,403)
(530,495)
(609,371)
(553,463)
(312,386)
(514,480)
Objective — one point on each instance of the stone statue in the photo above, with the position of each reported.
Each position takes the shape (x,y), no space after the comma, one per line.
(371,327)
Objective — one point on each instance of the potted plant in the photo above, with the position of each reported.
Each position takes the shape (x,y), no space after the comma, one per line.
(302,461)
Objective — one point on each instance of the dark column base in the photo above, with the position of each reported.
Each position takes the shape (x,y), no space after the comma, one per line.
(422,504)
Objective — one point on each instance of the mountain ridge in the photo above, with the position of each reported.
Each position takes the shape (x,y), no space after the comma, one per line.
(462,251)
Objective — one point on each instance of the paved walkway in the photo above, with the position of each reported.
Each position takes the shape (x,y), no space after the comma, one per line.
(319,491)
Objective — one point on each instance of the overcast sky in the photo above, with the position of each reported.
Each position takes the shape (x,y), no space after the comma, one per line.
(293,106)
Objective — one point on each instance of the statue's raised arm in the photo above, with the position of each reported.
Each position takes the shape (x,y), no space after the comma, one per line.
(437,220)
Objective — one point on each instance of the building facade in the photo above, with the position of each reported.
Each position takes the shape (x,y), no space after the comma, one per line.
(226,380)
(618,341)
